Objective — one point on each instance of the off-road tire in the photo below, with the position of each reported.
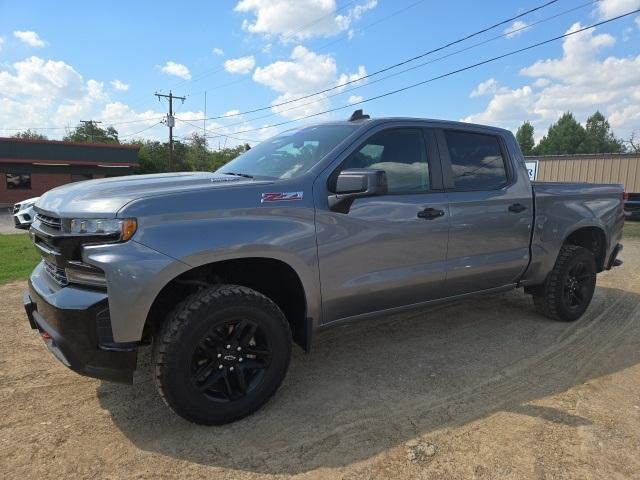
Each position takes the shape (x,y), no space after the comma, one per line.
(550,298)
(184,330)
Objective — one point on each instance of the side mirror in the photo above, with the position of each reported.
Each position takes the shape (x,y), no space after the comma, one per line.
(354,183)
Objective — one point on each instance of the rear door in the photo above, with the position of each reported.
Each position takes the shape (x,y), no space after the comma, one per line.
(387,251)
(491,211)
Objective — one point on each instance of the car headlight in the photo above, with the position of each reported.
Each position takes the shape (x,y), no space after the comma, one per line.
(123,228)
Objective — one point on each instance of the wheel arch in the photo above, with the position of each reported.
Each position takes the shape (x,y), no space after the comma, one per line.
(273,277)
(591,237)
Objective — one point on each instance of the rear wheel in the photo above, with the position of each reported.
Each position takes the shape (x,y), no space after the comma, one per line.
(221,354)
(568,290)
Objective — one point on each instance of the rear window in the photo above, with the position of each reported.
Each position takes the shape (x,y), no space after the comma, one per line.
(476,160)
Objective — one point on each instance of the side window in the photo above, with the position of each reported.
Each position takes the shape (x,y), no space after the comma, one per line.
(401,153)
(476,160)
(18,181)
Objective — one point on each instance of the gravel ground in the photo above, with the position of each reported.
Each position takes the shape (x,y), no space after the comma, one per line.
(6,223)
(480,389)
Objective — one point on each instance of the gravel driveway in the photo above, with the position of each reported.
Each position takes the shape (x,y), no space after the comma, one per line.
(480,389)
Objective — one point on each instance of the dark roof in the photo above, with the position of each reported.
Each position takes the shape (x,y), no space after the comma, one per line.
(18,150)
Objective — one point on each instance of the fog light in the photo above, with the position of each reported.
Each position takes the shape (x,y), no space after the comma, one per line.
(86,277)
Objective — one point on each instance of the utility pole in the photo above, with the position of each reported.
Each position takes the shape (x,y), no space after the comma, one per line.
(92,124)
(170,121)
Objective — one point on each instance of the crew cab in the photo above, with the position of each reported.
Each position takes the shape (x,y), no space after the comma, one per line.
(320,225)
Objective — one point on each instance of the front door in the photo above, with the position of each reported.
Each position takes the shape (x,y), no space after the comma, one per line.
(386,251)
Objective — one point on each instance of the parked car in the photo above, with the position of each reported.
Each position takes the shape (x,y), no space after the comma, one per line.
(632,206)
(315,227)
(23,213)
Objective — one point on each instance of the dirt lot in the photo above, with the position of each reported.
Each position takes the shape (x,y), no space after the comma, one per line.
(481,389)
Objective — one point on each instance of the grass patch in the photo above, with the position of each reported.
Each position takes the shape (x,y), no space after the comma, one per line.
(631,230)
(18,257)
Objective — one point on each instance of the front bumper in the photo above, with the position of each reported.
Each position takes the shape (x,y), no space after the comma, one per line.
(75,325)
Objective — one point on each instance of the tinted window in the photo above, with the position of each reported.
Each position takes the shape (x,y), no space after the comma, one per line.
(290,153)
(476,160)
(400,153)
(18,181)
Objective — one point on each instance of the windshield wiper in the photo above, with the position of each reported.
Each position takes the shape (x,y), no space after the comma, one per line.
(245,175)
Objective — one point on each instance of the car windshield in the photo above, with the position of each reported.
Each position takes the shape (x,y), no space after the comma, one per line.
(289,153)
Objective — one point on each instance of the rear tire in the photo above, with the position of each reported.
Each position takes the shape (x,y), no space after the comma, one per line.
(568,290)
(221,354)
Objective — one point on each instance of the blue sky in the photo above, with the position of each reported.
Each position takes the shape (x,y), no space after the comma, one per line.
(61,62)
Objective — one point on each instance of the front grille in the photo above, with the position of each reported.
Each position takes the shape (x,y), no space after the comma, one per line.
(51,222)
(57,273)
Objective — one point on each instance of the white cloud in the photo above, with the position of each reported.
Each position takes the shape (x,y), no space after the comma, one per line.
(29,37)
(36,92)
(580,81)
(240,66)
(485,88)
(232,113)
(637,20)
(176,69)
(613,8)
(300,19)
(1,42)
(118,85)
(355,98)
(516,28)
(217,51)
(306,72)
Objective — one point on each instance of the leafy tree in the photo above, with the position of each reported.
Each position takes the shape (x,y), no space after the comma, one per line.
(524,135)
(29,134)
(564,137)
(90,132)
(599,138)
(634,143)
(192,155)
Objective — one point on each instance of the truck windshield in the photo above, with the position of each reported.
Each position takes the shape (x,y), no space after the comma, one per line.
(289,153)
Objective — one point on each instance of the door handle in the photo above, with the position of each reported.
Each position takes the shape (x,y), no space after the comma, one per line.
(430,213)
(517,208)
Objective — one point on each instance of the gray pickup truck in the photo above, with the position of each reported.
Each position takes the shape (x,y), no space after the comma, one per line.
(330,223)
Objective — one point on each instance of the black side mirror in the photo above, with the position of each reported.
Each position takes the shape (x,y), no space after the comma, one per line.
(354,183)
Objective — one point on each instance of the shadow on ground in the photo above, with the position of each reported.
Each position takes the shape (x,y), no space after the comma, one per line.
(370,387)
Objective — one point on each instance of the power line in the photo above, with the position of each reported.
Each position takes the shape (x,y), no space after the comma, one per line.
(448,74)
(391,67)
(395,74)
(143,130)
(218,134)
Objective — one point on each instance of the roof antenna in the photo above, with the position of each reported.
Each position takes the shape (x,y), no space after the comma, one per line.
(358,115)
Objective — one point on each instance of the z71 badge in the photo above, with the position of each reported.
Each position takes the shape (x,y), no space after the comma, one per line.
(281,196)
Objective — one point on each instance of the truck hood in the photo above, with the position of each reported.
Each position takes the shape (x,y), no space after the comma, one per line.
(102,198)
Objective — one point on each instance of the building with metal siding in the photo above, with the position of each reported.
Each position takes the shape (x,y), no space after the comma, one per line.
(622,168)
(28,168)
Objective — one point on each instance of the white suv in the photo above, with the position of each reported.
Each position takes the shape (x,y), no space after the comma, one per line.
(23,213)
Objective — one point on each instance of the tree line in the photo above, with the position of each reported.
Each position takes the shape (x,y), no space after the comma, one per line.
(567,136)
(192,154)
(564,137)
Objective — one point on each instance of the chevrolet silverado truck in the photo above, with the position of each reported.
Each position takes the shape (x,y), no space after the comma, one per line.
(222,272)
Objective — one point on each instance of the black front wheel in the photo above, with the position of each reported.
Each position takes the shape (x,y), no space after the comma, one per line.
(221,354)
(568,290)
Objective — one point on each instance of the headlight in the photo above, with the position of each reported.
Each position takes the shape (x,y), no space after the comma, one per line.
(123,228)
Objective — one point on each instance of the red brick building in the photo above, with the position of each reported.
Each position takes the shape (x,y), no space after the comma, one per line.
(28,168)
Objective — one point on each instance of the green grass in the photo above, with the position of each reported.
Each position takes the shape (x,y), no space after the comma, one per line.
(18,256)
(631,230)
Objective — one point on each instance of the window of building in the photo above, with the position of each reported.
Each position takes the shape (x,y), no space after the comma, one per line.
(78,177)
(18,181)
(476,160)
(401,153)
